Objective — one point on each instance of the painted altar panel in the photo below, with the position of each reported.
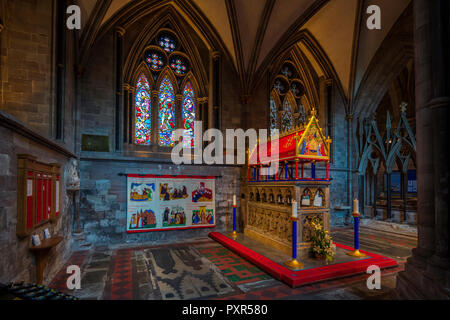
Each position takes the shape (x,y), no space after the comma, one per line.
(157,203)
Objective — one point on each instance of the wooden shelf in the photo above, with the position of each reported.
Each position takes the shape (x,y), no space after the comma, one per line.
(47,243)
(41,254)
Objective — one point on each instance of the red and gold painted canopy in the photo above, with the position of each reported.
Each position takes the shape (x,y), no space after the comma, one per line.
(305,144)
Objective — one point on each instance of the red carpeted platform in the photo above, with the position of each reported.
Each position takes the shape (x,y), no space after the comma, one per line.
(307,276)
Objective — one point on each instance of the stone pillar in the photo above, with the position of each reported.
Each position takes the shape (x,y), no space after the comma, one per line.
(216,101)
(389,196)
(350,156)
(131,109)
(119,33)
(246,100)
(439,106)
(426,273)
(126,113)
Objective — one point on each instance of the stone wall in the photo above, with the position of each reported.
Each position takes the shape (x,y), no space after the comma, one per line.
(104,200)
(27,69)
(17,262)
(26,62)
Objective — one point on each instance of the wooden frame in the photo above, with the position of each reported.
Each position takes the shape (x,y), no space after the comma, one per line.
(38,194)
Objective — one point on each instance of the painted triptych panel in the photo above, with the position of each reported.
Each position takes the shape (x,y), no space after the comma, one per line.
(156,203)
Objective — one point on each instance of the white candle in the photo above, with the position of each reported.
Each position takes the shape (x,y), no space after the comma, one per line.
(294,209)
(355,205)
(234,199)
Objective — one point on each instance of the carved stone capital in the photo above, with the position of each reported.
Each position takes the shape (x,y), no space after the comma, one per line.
(120,31)
(215,55)
(202,100)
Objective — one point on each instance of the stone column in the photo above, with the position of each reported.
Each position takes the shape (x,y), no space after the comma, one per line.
(126,113)
(439,106)
(131,114)
(426,273)
(119,33)
(215,113)
(246,100)
(350,156)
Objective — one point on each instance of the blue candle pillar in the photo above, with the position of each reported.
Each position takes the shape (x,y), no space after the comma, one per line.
(356,215)
(294,263)
(234,233)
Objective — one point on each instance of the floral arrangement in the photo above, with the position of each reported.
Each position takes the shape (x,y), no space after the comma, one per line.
(322,244)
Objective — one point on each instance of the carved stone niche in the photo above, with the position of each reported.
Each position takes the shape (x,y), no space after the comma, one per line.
(72,181)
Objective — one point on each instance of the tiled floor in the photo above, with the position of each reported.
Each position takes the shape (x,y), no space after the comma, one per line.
(207,270)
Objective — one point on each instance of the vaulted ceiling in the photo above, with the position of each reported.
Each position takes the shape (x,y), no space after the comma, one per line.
(252,30)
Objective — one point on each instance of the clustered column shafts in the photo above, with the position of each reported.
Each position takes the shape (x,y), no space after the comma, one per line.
(426,273)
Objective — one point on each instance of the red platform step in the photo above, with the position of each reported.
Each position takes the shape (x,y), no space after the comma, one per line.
(307,276)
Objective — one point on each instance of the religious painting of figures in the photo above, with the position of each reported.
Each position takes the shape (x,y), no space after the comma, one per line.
(312,144)
(202,193)
(142,191)
(157,203)
(202,216)
(143,219)
(174,216)
(171,191)
(306,198)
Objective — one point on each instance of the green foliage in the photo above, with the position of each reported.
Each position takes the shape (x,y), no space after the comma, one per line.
(321,241)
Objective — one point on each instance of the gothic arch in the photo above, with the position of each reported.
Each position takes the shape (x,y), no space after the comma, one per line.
(276,98)
(142,68)
(167,72)
(291,99)
(168,17)
(393,55)
(190,78)
(305,38)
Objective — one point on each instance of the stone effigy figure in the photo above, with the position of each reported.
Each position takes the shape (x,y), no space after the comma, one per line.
(72,175)
(72,180)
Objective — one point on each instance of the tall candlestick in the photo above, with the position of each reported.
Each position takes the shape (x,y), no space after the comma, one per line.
(294,209)
(294,263)
(234,233)
(355,205)
(356,215)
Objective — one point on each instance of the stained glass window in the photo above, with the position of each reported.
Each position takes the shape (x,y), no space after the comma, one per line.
(155,60)
(143,111)
(166,113)
(179,66)
(188,113)
(273,114)
(167,43)
(287,119)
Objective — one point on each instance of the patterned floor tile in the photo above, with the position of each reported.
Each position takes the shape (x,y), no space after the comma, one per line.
(235,268)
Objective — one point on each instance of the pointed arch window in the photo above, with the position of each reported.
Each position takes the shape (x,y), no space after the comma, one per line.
(161,77)
(166,113)
(143,111)
(287,93)
(188,113)
(287,118)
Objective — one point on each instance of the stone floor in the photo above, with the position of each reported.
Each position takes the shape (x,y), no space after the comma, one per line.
(205,269)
